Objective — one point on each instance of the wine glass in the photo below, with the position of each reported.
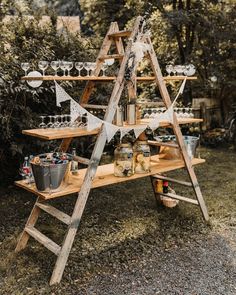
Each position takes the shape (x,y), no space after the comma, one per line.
(25,66)
(190,70)
(169,69)
(69,66)
(42,125)
(179,70)
(87,67)
(50,124)
(43,66)
(92,67)
(174,70)
(62,65)
(55,66)
(104,67)
(56,121)
(79,66)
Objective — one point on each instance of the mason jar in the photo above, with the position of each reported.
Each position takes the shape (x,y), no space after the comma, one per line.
(141,157)
(124,161)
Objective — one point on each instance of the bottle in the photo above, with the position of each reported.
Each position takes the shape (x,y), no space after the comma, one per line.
(165,187)
(74,164)
(159,186)
(26,169)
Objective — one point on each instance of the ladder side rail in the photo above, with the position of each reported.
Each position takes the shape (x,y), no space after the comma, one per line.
(91,171)
(166,98)
(99,61)
(90,84)
(24,237)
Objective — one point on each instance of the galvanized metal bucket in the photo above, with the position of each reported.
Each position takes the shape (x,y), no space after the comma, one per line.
(49,176)
(191,142)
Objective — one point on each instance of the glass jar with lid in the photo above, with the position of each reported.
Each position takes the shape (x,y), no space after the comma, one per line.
(141,157)
(124,161)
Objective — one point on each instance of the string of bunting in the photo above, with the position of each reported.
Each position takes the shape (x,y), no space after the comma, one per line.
(93,122)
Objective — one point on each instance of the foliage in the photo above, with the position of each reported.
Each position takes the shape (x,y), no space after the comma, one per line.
(21,105)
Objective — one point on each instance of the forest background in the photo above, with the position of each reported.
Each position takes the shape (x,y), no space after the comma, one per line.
(183,31)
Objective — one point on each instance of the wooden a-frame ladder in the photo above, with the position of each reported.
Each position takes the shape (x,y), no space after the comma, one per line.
(62,252)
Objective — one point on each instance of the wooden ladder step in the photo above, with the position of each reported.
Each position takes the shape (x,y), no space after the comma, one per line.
(177,197)
(41,238)
(159,143)
(94,106)
(63,217)
(115,56)
(124,33)
(81,160)
(173,180)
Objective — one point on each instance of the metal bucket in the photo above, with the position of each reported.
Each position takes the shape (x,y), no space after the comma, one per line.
(191,142)
(49,176)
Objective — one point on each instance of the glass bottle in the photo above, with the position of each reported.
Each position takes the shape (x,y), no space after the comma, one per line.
(124,163)
(74,164)
(141,157)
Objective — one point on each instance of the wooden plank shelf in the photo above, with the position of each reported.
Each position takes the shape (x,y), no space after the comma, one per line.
(104,176)
(50,134)
(103,78)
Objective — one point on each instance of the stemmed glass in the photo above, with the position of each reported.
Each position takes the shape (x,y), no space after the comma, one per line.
(87,67)
(55,66)
(43,66)
(104,67)
(25,66)
(62,65)
(67,122)
(42,125)
(169,69)
(69,66)
(92,67)
(179,69)
(50,124)
(79,66)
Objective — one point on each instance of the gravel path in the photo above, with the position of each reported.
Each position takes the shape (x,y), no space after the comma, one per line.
(126,245)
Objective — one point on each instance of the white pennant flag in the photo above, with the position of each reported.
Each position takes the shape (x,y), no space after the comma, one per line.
(110,130)
(61,95)
(76,110)
(155,123)
(124,131)
(170,114)
(138,130)
(93,122)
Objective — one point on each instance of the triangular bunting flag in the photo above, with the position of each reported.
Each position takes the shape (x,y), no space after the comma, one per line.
(154,124)
(61,95)
(138,130)
(110,130)
(124,131)
(93,122)
(76,110)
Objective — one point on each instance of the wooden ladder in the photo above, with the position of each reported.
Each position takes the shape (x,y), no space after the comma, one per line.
(73,221)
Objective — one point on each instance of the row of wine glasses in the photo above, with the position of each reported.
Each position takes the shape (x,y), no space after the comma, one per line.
(61,121)
(187,70)
(151,113)
(67,66)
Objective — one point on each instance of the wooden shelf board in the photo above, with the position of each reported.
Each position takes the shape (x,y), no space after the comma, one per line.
(102,78)
(104,176)
(50,134)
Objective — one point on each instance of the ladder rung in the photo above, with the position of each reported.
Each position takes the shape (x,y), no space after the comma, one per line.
(81,160)
(173,180)
(115,56)
(94,106)
(159,143)
(177,197)
(124,33)
(41,238)
(63,217)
